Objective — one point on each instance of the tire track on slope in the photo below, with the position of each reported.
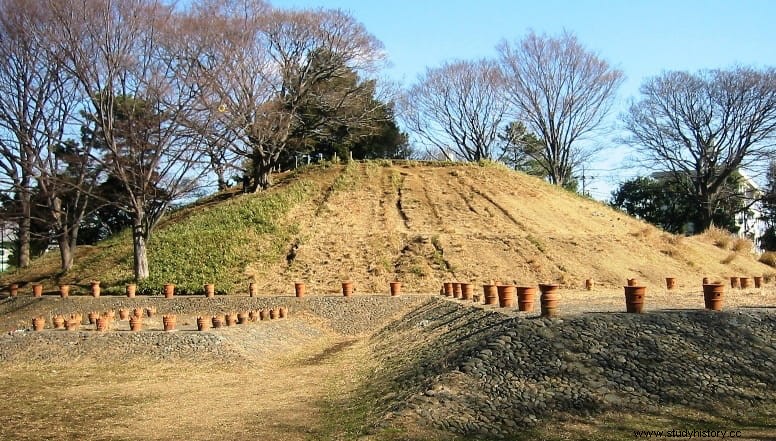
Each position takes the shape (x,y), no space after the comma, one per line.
(529,238)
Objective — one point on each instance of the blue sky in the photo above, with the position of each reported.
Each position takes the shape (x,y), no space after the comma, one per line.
(642,38)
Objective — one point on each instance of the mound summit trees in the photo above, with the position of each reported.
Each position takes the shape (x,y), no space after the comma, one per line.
(561,92)
(703,127)
(261,67)
(457,109)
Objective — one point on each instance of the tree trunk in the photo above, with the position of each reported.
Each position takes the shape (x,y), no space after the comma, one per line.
(140,251)
(261,175)
(65,251)
(24,227)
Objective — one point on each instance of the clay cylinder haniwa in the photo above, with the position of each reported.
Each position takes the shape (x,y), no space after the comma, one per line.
(549,299)
(456,290)
(467,291)
(347,288)
(634,299)
(490,293)
(506,296)
(713,295)
(526,296)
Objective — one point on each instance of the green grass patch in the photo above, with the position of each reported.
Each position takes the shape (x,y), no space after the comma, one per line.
(215,245)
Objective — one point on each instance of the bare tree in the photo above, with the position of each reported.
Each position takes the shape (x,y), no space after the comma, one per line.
(702,127)
(457,109)
(37,101)
(262,66)
(561,92)
(124,55)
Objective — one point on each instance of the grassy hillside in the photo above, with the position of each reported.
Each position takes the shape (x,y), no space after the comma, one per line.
(420,223)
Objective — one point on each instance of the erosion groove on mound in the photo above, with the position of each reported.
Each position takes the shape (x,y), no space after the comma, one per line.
(475,372)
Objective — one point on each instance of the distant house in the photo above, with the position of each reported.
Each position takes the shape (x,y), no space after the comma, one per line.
(750,222)
(7,240)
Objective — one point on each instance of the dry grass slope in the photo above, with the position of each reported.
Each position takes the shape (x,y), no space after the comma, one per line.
(420,223)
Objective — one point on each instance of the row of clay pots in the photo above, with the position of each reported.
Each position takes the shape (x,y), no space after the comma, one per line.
(505,295)
(241,318)
(713,295)
(64,290)
(744,282)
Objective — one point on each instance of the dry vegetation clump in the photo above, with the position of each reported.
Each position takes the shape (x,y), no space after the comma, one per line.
(742,244)
(719,237)
(768,258)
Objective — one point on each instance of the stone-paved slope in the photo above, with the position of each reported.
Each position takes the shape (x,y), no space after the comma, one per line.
(475,372)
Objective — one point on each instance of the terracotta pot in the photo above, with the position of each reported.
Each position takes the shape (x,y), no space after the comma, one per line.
(705,280)
(102,324)
(743,282)
(210,290)
(138,312)
(549,299)
(93,315)
(263,314)
(131,289)
(135,324)
(734,282)
(448,286)
(467,291)
(456,290)
(634,298)
(506,296)
(13,290)
(169,290)
(64,291)
(230,319)
(242,318)
(123,314)
(713,295)
(95,288)
(150,311)
(670,283)
(299,289)
(203,324)
(58,321)
(758,281)
(109,314)
(38,323)
(490,292)
(395,288)
(273,314)
(37,290)
(253,316)
(253,289)
(217,321)
(588,285)
(632,282)
(526,296)
(72,324)
(347,288)
(77,316)
(282,312)
(169,321)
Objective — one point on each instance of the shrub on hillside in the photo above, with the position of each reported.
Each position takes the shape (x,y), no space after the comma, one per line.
(769,258)
(719,237)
